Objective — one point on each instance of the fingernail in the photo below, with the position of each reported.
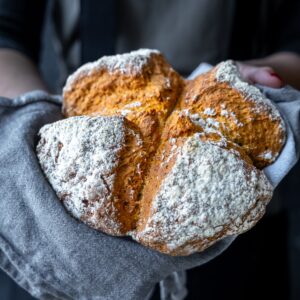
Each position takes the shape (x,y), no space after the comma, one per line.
(274,74)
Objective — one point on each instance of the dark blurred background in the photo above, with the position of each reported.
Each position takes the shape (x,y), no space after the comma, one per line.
(263,263)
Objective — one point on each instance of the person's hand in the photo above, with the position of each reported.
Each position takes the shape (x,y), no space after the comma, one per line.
(260,75)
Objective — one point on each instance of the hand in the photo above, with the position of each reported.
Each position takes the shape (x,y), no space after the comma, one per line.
(261,75)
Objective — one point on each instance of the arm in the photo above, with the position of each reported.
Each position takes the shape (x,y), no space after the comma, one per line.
(21,24)
(18,74)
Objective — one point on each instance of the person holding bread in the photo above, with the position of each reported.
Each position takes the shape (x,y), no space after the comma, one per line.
(41,44)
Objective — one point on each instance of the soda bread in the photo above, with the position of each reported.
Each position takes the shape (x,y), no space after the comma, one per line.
(173,163)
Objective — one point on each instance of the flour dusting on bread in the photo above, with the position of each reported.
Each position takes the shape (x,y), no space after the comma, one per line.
(209,194)
(228,72)
(173,163)
(79,156)
(128,63)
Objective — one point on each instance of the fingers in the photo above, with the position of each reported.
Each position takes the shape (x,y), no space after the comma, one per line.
(267,77)
(260,75)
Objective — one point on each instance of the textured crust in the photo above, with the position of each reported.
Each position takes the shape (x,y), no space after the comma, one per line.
(238,111)
(145,94)
(203,193)
(95,165)
(184,174)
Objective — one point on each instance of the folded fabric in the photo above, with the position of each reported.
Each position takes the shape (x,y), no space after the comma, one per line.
(42,247)
(287,101)
(52,255)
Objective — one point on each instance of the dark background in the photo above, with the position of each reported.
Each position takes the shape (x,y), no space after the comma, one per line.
(263,263)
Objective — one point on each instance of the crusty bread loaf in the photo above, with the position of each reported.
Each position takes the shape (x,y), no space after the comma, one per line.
(95,165)
(141,86)
(237,110)
(207,192)
(175,164)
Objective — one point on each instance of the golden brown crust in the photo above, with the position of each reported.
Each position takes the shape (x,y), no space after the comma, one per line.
(239,120)
(145,98)
(129,178)
(176,131)
(167,110)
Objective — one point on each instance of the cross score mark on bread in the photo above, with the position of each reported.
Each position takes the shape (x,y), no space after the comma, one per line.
(173,163)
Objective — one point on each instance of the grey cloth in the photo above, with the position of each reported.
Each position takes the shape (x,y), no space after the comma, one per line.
(52,255)
(173,286)
(42,247)
(287,101)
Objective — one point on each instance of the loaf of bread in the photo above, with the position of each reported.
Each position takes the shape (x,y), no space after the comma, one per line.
(173,163)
